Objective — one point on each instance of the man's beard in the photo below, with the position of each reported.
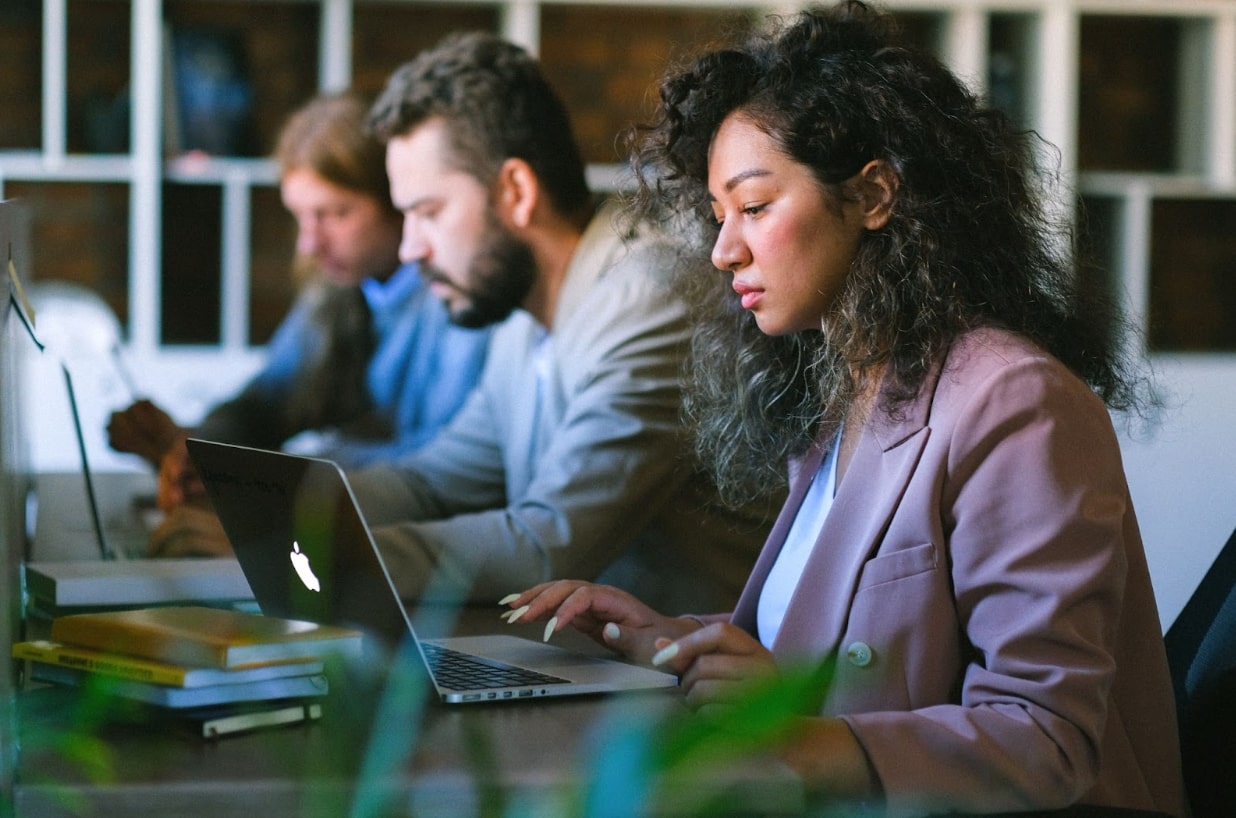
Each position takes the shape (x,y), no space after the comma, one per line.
(503,271)
(308,269)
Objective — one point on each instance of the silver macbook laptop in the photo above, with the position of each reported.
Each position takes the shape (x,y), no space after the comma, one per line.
(305,549)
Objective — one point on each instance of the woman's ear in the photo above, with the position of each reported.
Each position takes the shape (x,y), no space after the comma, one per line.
(878,185)
(517,193)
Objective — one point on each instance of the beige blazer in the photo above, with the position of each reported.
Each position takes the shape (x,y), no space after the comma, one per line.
(579,470)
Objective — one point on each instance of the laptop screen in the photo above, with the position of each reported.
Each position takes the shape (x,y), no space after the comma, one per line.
(300,539)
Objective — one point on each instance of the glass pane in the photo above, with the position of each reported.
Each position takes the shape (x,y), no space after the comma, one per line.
(21,56)
(80,233)
(1010,65)
(257,63)
(191,264)
(271,284)
(1127,94)
(386,35)
(605,61)
(97,93)
(1193,275)
(1099,225)
(922,29)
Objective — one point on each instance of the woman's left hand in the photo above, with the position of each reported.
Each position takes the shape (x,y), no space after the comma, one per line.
(715,662)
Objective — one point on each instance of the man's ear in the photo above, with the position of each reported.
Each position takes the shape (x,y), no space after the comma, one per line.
(878,185)
(517,192)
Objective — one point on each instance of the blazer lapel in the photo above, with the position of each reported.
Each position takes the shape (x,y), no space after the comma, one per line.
(884,461)
(865,502)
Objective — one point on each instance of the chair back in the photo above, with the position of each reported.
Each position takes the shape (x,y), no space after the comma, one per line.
(1201,654)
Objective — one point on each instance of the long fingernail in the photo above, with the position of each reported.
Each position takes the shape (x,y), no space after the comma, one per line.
(549,628)
(511,616)
(611,631)
(508,599)
(665,654)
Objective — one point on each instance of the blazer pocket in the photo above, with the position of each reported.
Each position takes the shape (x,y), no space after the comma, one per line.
(898,565)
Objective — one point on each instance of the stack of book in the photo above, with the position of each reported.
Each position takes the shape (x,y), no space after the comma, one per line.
(55,589)
(225,670)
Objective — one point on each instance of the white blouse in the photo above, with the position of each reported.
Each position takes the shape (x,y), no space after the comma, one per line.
(804,531)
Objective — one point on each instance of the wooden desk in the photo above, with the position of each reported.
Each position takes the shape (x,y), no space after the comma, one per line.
(368,755)
(364,757)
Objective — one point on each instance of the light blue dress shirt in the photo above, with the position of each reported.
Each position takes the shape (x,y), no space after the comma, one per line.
(421,370)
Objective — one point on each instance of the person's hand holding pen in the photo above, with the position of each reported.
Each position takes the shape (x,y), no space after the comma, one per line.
(190,527)
(179,483)
(143,429)
(712,660)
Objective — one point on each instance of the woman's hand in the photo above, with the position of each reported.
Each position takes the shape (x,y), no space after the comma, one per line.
(717,665)
(609,615)
(714,663)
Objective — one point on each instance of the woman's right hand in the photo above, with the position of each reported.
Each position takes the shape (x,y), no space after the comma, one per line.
(609,615)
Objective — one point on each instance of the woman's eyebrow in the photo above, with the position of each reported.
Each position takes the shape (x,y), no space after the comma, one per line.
(739,178)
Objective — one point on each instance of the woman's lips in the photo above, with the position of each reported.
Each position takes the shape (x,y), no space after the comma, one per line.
(750,295)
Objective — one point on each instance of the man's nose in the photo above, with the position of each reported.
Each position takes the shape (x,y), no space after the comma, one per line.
(412,243)
(309,240)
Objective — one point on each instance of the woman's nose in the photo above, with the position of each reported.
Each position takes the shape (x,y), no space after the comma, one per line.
(729,252)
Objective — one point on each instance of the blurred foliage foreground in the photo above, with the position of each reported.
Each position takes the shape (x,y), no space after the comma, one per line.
(647,754)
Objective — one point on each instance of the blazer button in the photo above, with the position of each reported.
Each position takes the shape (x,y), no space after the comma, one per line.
(859,654)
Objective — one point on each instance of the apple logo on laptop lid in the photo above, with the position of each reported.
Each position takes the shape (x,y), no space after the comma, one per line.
(300,561)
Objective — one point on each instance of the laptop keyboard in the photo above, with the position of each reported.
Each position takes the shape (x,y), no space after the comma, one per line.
(462,671)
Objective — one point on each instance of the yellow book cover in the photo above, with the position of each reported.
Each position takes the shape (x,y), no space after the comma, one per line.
(204,637)
(123,666)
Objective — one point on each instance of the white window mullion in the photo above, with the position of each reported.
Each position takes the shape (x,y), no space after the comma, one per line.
(55,72)
(1055,97)
(234,288)
(1134,237)
(335,45)
(521,24)
(966,47)
(1223,101)
(145,195)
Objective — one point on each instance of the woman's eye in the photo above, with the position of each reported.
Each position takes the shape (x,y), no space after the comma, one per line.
(753,209)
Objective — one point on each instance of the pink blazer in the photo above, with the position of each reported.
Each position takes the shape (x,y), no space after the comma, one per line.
(982,581)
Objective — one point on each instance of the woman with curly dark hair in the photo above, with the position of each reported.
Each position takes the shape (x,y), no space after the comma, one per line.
(900,318)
